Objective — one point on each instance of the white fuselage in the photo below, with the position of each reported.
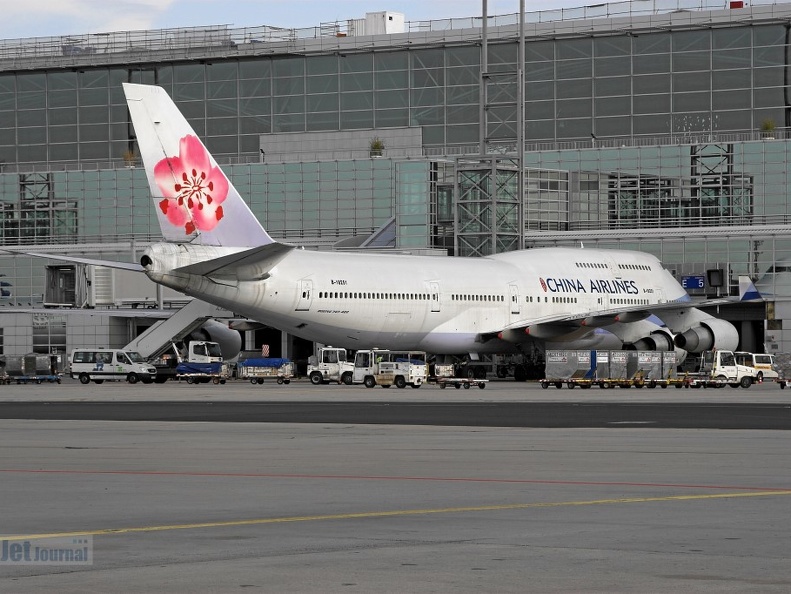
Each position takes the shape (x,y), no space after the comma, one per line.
(436,304)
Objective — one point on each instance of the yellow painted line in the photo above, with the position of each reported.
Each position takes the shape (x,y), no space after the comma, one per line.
(392,513)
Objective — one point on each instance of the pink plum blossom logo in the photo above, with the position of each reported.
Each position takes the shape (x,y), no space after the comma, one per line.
(543,284)
(193,188)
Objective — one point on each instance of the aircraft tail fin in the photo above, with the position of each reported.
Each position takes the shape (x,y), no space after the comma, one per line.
(747,290)
(195,202)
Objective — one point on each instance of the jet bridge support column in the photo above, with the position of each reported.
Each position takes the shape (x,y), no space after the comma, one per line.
(487,206)
(286,345)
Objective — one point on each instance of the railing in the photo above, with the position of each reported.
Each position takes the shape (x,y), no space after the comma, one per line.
(692,138)
(225,38)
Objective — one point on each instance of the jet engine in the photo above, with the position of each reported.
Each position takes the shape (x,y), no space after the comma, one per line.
(643,335)
(709,333)
(658,340)
(230,341)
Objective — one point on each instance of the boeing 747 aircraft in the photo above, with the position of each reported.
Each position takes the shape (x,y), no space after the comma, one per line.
(216,250)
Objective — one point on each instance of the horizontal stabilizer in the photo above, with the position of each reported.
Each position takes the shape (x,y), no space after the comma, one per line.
(248,265)
(134,267)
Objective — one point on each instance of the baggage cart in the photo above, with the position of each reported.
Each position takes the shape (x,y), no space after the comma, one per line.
(259,369)
(203,373)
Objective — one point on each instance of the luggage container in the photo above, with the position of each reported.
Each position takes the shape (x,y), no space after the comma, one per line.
(31,368)
(574,368)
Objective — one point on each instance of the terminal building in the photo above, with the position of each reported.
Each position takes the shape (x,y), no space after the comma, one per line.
(647,125)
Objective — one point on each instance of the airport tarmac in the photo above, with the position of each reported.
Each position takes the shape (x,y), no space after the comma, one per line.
(302,389)
(340,507)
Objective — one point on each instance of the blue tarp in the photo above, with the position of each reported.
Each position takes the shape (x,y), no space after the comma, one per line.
(205,368)
(264,362)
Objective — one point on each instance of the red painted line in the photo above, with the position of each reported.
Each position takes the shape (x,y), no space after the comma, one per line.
(382,478)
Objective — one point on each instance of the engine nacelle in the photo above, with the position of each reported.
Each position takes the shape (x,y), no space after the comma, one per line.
(230,341)
(708,334)
(658,340)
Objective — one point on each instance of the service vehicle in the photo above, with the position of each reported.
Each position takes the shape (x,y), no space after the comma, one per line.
(202,363)
(330,364)
(195,356)
(99,365)
(763,364)
(719,368)
(382,367)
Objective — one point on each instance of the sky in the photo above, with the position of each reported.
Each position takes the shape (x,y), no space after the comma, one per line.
(46,18)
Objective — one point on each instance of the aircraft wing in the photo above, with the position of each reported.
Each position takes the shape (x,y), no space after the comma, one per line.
(594,319)
(670,313)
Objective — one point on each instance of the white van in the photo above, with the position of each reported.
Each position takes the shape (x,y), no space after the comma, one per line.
(764,364)
(110,364)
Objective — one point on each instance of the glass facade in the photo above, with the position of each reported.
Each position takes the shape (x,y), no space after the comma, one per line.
(717,79)
(682,185)
(294,201)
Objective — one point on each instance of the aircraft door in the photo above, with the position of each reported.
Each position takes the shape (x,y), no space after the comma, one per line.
(305,295)
(513,291)
(434,288)
(614,268)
